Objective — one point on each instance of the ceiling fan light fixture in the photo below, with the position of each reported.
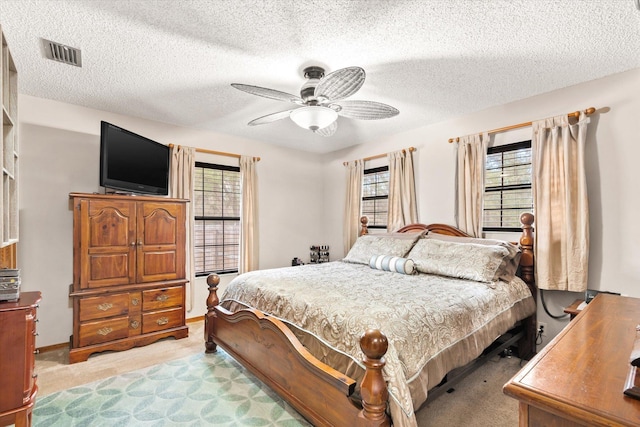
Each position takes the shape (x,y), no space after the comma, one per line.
(313,117)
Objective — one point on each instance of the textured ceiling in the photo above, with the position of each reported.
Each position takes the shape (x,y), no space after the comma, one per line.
(173,61)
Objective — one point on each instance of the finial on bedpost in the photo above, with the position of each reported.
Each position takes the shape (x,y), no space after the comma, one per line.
(364,221)
(526,243)
(213,280)
(373,389)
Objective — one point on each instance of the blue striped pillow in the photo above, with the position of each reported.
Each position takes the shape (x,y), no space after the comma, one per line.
(392,263)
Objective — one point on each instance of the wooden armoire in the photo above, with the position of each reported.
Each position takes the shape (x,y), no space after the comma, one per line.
(128,272)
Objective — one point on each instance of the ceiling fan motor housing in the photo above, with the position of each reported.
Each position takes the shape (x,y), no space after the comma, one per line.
(313,75)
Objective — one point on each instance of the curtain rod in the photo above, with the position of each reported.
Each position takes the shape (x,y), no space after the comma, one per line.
(576,114)
(219,153)
(377,156)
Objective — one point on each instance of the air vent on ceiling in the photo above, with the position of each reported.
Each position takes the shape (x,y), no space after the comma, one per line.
(61,53)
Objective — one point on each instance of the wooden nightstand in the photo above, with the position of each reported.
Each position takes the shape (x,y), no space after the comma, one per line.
(573,309)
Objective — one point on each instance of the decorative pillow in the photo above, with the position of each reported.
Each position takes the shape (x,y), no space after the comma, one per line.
(469,261)
(392,263)
(394,244)
(510,263)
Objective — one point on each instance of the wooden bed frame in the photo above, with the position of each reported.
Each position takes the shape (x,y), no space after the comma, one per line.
(265,346)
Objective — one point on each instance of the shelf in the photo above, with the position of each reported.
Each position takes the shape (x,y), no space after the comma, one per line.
(9,230)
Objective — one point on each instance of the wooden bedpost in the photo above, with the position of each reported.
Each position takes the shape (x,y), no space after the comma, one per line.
(527,345)
(213,280)
(363,226)
(373,389)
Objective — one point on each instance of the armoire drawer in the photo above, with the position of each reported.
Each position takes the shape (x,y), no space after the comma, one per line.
(156,299)
(163,319)
(103,306)
(103,330)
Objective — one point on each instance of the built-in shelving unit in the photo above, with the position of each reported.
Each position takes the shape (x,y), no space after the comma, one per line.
(9,148)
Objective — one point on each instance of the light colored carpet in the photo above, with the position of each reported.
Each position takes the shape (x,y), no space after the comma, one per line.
(477,400)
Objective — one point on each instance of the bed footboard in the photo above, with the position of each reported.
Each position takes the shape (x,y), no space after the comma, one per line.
(266,347)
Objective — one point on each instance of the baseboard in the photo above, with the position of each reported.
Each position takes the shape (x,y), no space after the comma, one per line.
(195,319)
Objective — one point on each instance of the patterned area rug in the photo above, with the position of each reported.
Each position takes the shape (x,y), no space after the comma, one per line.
(200,390)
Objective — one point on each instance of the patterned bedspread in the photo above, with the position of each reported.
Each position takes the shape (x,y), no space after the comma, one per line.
(424,316)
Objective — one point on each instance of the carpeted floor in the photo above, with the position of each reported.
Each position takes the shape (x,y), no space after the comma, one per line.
(477,400)
(86,394)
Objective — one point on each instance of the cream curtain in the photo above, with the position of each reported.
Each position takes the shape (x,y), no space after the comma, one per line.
(355,171)
(471,158)
(403,208)
(181,186)
(560,203)
(249,216)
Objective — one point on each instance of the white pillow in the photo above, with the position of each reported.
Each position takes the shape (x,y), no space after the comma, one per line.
(392,263)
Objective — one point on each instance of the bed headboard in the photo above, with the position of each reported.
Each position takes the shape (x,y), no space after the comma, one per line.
(434,228)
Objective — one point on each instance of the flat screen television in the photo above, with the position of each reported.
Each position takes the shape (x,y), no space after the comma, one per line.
(132,163)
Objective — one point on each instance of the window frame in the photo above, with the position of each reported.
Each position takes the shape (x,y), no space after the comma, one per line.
(504,149)
(377,197)
(215,218)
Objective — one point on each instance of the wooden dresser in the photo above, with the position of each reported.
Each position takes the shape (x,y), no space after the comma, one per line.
(17,359)
(579,377)
(128,272)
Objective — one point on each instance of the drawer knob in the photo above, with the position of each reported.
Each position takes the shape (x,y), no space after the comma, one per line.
(36,351)
(162,321)
(135,301)
(104,331)
(134,324)
(35,334)
(162,298)
(105,306)
(34,376)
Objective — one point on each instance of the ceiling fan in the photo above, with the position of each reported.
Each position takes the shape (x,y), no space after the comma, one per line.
(321,101)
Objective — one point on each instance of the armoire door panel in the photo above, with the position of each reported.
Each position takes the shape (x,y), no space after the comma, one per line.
(106,267)
(160,227)
(107,243)
(160,250)
(108,227)
(159,263)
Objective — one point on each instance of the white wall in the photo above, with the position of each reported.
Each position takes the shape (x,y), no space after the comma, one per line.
(59,154)
(613,149)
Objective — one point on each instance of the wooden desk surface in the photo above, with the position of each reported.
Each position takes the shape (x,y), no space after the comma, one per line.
(580,375)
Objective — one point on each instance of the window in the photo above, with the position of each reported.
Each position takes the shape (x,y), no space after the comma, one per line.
(507,186)
(216,207)
(375,196)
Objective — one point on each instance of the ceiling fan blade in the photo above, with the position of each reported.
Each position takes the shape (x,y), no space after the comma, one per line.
(329,130)
(340,83)
(270,118)
(269,93)
(364,110)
